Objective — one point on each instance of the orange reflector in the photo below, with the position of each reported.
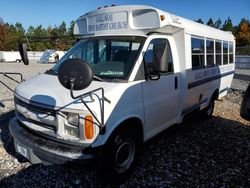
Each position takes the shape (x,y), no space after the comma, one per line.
(88,127)
(162,17)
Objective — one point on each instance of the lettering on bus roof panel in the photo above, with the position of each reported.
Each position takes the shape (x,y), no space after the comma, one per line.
(108,21)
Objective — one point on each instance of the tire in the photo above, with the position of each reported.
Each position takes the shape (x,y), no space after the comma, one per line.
(245,105)
(207,113)
(121,154)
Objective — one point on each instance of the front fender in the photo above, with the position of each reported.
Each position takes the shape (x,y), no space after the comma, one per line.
(102,138)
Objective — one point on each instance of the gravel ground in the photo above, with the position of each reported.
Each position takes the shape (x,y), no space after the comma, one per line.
(197,153)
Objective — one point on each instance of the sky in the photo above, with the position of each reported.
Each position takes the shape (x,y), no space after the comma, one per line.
(53,12)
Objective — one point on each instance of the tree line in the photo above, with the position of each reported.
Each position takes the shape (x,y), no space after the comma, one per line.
(37,38)
(61,38)
(240,31)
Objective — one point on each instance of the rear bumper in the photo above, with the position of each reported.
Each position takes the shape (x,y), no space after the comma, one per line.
(41,150)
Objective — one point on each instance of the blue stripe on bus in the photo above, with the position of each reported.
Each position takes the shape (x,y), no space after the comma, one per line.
(209,79)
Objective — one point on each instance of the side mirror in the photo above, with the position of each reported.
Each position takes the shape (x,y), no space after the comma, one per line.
(75,74)
(23,53)
(245,105)
(160,58)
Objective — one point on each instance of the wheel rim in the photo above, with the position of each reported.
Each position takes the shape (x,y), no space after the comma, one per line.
(124,156)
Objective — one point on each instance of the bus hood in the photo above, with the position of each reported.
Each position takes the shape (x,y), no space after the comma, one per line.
(46,90)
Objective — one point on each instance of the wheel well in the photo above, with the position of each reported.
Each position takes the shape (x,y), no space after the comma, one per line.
(215,95)
(134,124)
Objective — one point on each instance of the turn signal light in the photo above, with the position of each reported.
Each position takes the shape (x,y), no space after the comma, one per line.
(162,17)
(88,127)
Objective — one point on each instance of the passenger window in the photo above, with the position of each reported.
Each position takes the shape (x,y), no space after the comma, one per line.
(231,55)
(197,53)
(225,53)
(210,52)
(218,52)
(148,58)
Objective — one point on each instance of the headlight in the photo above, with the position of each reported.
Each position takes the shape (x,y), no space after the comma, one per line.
(72,125)
(73,119)
(79,126)
(72,131)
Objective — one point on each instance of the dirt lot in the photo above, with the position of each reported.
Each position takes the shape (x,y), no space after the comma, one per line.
(197,153)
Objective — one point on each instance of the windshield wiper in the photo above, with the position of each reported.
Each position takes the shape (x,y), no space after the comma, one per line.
(98,78)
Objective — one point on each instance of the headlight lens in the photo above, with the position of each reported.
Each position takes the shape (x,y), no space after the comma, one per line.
(72,125)
(73,119)
(72,131)
(79,126)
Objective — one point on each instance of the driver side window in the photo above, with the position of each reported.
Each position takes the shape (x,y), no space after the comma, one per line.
(148,58)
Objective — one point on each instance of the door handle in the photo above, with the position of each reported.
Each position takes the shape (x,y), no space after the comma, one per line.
(176,83)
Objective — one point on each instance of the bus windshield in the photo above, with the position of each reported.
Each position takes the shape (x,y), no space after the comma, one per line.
(110,57)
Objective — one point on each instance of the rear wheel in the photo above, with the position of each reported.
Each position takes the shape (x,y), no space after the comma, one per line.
(207,113)
(245,105)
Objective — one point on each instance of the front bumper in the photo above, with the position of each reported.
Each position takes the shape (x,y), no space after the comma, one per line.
(41,150)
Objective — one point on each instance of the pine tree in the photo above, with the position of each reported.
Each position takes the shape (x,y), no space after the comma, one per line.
(199,21)
(228,25)
(210,22)
(71,28)
(217,24)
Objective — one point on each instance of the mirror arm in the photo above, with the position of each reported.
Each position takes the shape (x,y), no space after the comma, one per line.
(100,124)
(72,83)
(72,80)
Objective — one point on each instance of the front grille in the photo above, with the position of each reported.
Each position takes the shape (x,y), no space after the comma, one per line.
(37,115)
(34,108)
(21,117)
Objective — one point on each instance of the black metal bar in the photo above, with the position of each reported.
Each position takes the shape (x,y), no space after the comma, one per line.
(100,124)
(81,96)
(13,73)
(102,99)
(11,78)
(6,86)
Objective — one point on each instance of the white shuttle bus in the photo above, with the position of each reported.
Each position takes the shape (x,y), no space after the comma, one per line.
(135,71)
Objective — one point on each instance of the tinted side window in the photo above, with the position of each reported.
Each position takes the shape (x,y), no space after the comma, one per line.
(210,52)
(218,52)
(148,58)
(225,53)
(231,55)
(198,60)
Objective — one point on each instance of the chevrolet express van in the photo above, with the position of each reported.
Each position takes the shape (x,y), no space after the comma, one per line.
(135,71)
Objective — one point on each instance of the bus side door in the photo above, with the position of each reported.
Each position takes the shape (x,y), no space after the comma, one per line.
(161,97)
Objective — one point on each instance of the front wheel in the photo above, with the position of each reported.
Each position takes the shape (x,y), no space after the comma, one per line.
(121,154)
